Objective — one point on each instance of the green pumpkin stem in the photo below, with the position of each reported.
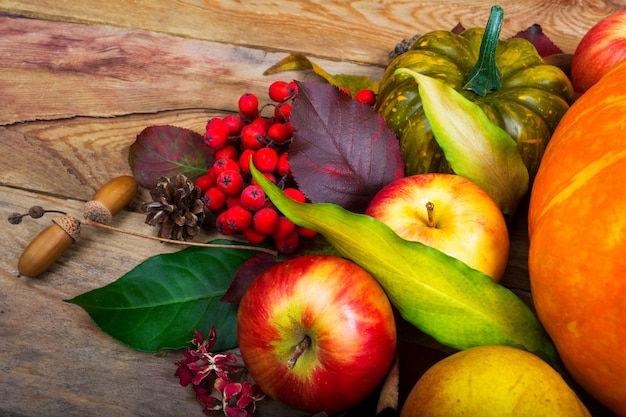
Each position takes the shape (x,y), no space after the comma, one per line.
(485,76)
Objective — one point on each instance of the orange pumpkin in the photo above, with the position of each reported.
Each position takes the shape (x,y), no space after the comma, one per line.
(577,229)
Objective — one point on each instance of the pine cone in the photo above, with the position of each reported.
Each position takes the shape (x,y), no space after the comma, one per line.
(177,206)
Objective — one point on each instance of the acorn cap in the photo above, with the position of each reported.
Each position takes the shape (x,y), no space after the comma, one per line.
(97,212)
(70,224)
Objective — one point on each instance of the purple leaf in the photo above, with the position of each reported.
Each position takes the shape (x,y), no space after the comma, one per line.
(165,151)
(534,34)
(260,262)
(343,152)
(247,272)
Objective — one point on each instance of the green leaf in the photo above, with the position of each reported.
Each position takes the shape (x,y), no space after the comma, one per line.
(158,304)
(475,147)
(299,62)
(442,296)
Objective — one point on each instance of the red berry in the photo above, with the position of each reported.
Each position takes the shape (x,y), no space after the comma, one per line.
(282,113)
(345,90)
(305,232)
(252,198)
(294,87)
(230,182)
(233,200)
(214,199)
(253,236)
(233,124)
(253,136)
(366,96)
(265,159)
(222,226)
(265,220)
(244,160)
(215,138)
(216,123)
(205,182)
(248,106)
(238,218)
(279,133)
(289,244)
(284,228)
(264,122)
(269,176)
(224,164)
(295,194)
(283,168)
(279,91)
(228,151)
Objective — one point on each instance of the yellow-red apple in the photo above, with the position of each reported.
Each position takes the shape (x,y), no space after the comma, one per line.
(449,213)
(600,49)
(316,332)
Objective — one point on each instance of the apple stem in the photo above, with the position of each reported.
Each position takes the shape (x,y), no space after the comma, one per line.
(300,348)
(430,210)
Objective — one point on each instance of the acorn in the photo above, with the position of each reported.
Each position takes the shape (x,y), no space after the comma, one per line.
(49,245)
(110,199)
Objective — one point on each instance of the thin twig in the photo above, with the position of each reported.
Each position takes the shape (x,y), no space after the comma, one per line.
(180,242)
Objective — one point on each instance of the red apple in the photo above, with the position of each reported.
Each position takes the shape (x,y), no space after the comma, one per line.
(600,49)
(316,332)
(449,213)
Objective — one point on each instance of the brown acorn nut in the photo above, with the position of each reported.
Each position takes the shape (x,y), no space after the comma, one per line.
(110,199)
(48,246)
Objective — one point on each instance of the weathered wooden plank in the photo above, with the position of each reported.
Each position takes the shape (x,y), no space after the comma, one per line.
(56,70)
(72,158)
(361,31)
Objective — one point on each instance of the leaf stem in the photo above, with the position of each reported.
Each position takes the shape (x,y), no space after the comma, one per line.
(180,242)
(485,76)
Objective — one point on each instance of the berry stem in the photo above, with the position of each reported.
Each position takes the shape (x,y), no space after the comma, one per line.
(180,242)
(300,348)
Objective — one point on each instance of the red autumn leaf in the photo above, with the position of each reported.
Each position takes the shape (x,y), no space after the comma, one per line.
(259,263)
(246,273)
(343,152)
(544,45)
(165,151)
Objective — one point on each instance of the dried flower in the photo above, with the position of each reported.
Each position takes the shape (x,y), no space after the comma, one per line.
(235,399)
(238,399)
(177,206)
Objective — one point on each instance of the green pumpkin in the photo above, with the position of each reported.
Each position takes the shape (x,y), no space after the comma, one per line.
(528,100)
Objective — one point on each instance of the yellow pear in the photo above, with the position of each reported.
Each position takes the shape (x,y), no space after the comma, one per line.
(496,381)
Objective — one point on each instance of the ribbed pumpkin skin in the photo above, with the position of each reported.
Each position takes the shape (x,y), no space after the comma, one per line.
(532,100)
(577,229)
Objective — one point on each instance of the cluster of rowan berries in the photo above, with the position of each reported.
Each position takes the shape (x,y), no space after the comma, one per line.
(228,189)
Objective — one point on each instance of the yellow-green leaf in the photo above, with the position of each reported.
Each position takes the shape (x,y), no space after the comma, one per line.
(475,147)
(299,62)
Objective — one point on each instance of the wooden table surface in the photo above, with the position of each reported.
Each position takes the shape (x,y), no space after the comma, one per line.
(80,79)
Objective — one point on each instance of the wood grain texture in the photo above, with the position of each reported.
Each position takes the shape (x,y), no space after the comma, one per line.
(359,31)
(55,70)
(80,80)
